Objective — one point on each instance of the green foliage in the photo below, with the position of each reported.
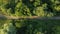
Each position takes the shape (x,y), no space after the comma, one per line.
(39,11)
(22,10)
(7,27)
(42,8)
(36,3)
(32,7)
(33,26)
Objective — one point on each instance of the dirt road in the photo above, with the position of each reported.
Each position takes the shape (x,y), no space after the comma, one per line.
(28,17)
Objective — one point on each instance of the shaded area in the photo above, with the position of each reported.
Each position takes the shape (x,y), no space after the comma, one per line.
(35,26)
(2,17)
(32,26)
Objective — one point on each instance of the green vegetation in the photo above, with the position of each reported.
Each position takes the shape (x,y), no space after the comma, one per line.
(25,26)
(30,7)
(24,8)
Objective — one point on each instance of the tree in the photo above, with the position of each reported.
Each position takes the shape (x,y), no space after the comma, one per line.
(40,8)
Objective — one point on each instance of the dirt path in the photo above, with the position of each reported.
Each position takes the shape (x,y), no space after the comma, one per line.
(28,17)
(2,16)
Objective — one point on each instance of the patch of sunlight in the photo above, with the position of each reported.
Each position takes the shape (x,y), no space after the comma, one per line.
(8,28)
(57,8)
(50,14)
(39,33)
(57,2)
(18,25)
(39,11)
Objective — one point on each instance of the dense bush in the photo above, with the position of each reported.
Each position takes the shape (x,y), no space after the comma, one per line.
(25,26)
(42,8)
(30,7)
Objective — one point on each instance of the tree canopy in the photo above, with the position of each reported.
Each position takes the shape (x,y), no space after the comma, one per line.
(30,7)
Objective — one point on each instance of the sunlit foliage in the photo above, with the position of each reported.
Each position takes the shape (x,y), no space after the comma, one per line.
(29,7)
(41,8)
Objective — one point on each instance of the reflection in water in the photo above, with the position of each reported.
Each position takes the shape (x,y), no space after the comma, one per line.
(32,26)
